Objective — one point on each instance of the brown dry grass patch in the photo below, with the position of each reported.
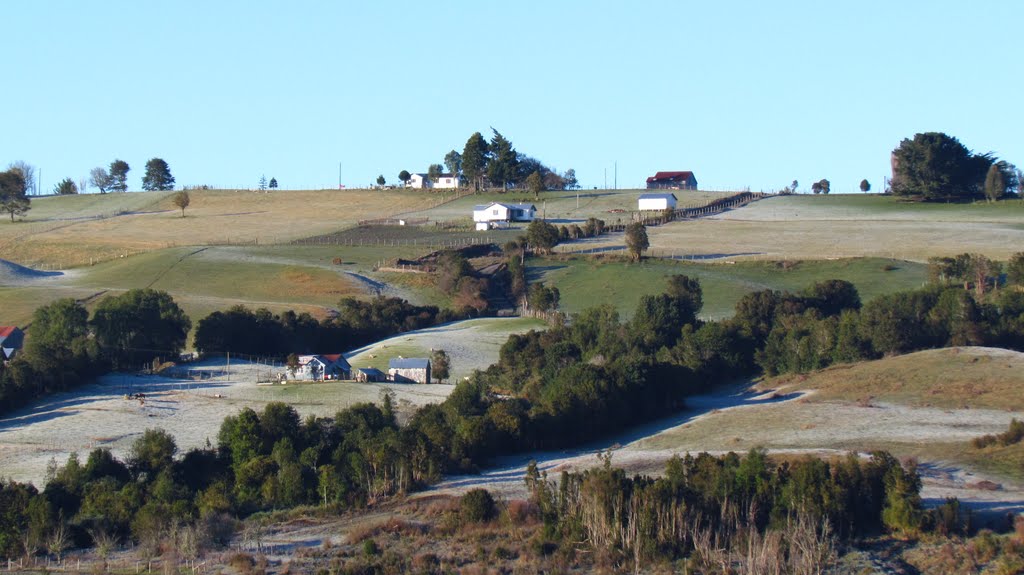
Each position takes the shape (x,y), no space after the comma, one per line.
(945,378)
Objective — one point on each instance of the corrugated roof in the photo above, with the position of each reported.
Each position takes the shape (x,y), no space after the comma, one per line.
(657,196)
(671,176)
(409,363)
(7,330)
(371,371)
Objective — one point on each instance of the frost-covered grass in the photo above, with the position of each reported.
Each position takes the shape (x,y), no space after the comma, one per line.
(471,344)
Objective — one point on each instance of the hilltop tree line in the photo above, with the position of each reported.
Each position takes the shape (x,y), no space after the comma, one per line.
(550,389)
(933,166)
(495,164)
(20,179)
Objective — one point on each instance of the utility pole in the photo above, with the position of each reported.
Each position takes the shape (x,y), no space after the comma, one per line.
(339,175)
(616,174)
(606,178)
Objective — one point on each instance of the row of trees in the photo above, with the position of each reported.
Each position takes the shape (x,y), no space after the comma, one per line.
(704,505)
(115,178)
(262,333)
(496,163)
(933,166)
(549,389)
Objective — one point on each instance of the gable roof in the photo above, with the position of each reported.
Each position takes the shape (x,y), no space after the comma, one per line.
(482,207)
(670,176)
(327,359)
(409,363)
(658,197)
(6,330)
(371,371)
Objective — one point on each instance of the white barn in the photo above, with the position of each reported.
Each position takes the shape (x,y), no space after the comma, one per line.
(444,182)
(497,212)
(658,202)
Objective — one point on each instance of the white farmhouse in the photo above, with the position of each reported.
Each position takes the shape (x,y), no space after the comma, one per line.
(496,213)
(444,182)
(657,202)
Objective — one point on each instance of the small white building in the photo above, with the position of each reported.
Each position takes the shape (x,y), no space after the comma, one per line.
(657,202)
(444,182)
(497,213)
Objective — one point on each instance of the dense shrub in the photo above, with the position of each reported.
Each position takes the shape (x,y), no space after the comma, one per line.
(477,506)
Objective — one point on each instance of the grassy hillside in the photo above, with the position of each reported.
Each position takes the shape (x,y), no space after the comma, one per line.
(72,231)
(471,344)
(953,378)
(876,207)
(585,282)
(813,227)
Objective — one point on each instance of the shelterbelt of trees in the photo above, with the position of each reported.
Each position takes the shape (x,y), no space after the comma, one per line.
(571,383)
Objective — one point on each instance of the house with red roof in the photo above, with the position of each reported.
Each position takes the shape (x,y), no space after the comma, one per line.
(672,181)
(11,340)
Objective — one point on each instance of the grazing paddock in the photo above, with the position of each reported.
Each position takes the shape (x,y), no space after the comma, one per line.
(875,207)
(586,282)
(54,234)
(815,227)
(472,344)
(192,411)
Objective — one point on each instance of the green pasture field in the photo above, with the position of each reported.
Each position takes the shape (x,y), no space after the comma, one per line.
(586,281)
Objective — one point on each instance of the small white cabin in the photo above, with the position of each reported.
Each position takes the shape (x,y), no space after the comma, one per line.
(657,202)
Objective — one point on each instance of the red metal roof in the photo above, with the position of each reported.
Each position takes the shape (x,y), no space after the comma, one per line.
(7,330)
(331,356)
(670,176)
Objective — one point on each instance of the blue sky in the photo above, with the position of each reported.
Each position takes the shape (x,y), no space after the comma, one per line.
(742,93)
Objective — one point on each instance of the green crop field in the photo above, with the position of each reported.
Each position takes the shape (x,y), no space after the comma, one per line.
(585,282)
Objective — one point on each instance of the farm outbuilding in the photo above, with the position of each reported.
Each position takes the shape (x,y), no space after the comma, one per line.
(659,202)
(370,375)
(11,340)
(409,370)
(672,181)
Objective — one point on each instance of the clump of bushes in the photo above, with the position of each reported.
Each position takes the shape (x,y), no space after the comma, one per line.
(1011,436)
(477,506)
